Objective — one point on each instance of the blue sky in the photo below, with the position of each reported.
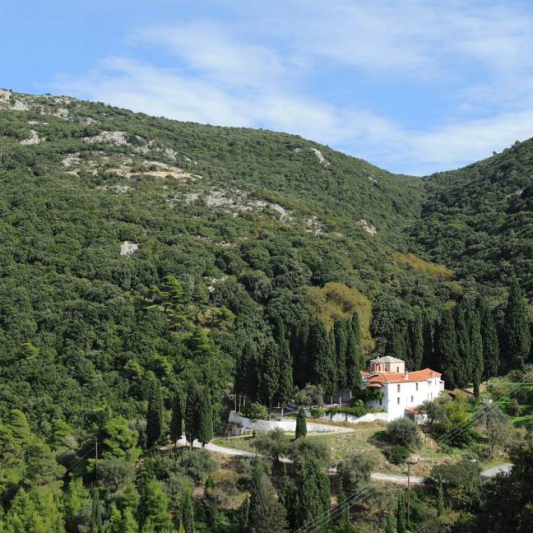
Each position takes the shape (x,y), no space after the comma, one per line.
(413,86)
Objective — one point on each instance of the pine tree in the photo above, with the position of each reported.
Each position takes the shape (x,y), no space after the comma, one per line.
(354,354)
(476,347)
(341,346)
(176,422)
(301,424)
(204,419)
(446,353)
(401,515)
(462,328)
(323,364)
(154,507)
(491,346)
(155,415)
(516,335)
(96,512)
(416,341)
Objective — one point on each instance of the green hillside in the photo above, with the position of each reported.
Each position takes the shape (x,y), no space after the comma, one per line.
(479,220)
(156,274)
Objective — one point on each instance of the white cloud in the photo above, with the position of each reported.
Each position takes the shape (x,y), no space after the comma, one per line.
(223,76)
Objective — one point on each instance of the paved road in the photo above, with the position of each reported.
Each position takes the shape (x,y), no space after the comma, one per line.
(491,472)
(377,476)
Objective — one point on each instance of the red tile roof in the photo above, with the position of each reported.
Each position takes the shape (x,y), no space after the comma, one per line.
(394,377)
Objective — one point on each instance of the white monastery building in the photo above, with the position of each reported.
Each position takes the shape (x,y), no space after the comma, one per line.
(402,391)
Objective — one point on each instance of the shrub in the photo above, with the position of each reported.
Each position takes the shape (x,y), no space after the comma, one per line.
(354,470)
(397,455)
(513,408)
(257,411)
(403,432)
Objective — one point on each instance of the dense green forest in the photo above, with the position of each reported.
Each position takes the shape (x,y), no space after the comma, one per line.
(156,274)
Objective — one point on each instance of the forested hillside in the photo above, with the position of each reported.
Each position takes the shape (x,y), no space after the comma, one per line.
(479,220)
(155,274)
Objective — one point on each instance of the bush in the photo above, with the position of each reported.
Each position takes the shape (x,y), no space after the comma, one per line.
(257,411)
(397,455)
(513,408)
(355,470)
(403,432)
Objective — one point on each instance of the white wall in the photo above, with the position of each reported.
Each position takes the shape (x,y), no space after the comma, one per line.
(289,424)
(408,396)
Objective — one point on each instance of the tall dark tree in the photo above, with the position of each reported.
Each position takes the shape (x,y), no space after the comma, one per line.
(333,357)
(491,346)
(354,354)
(191,416)
(397,344)
(428,357)
(176,422)
(313,494)
(268,515)
(269,376)
(516,334)
(204,418)
(301,424)
(155,420)
(416,342)
(323,365)
(463,328)
(446,354)
(401,514)
(476,351)
(246,374)
(285,386)
(341,346)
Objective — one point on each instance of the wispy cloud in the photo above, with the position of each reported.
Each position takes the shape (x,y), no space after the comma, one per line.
(224,75)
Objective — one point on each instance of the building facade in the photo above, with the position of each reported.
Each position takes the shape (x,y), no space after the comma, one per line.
(400,390)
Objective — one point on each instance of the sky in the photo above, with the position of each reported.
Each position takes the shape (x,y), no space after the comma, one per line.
(413,86)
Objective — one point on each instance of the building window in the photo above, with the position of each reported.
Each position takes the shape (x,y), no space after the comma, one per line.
(398,369)
(398,388)
(381,401)
(412,399)
(417,386)
(398,401)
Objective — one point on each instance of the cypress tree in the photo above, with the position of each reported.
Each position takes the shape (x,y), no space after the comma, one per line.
(354,354)
(323,365)
(176,422)
(462,328)
(416,341)
(191,413)
(285,385)
(428,357)
(341,346)
(301,424)
(491,346)
(204,419)
(289,499)
(401,515)
(446,353)
(476,347)
(270,370)
(398,342)
(516,335)
(268,515)
(333,358)
(313,494)
(187,511)
(155,414)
